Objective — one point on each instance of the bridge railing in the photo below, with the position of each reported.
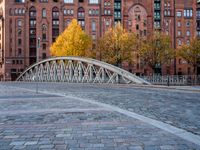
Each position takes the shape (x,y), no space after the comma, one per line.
(78,70)
(180,80)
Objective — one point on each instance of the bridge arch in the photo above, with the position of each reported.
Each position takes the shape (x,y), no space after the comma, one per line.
(78,70)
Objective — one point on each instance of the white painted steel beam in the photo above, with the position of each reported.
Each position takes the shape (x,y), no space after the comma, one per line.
(78,70)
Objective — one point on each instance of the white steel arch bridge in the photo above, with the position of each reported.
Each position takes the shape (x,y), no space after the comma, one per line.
(78,70)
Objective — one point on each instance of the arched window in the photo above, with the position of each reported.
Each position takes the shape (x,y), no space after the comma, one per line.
(81,12)
(55,13)
(81,17)
(55,23)
(137,20)
(32,12)
(137,9)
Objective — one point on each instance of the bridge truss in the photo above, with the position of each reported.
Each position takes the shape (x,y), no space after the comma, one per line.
(78,70)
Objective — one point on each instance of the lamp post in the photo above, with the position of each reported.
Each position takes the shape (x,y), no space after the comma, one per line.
(38,48)
(37,60)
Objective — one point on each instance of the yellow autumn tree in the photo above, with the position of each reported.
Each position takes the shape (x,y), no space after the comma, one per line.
(72,42)
(156,51)
(191,53)
(116,45)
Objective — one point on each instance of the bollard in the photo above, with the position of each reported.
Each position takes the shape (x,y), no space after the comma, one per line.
(34,79)
(167,80)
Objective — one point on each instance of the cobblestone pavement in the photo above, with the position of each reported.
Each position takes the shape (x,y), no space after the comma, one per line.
(43,121)
(179,108)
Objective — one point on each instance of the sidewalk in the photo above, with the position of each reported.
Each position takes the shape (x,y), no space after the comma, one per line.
(32,121)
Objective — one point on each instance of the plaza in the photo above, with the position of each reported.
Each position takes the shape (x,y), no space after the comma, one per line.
(86,75)
(96,117)
(28,28)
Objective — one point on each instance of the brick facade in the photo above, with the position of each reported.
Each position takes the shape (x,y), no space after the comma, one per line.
(22,22)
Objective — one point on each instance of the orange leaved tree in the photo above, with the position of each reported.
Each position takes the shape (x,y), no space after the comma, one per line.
(72,42)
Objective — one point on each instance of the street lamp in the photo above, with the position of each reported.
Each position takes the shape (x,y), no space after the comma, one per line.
(38,48)
(37,60)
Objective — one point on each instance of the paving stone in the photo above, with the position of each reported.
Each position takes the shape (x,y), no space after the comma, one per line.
(60,147)
(75,148)
(32,147)
(46,123)
(167,147)
(135,148)
(59,142)
(152,148)
(63,135)
(31,143)
(17,143)
(6,147)
(11,137)
(18,147)
(46,146)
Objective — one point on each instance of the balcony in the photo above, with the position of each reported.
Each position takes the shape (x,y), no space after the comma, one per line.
(157,18)
(54,26)
(32,36)
(157,6)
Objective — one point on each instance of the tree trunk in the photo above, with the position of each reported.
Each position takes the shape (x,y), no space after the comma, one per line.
(156,70)
(195,69)
(195,74)
(119,63)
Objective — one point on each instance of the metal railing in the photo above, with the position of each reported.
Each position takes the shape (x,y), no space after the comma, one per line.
(180,80)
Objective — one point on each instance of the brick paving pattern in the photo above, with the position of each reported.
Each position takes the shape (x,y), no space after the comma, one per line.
(42,121)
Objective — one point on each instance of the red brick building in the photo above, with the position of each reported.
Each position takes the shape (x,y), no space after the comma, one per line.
(24,23)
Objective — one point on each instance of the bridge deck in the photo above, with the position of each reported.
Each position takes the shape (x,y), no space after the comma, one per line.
(77,116)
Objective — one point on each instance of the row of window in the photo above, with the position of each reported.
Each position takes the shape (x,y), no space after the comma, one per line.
(180,33)
(156,5)
(65,1)
(44,27)
(117,5)
(180,42)
(157,15)
(167,12)
(107,12)
(70,12)
(144,23)
(94,12)
(157,24)
(107,3)
(17,62)
(117,14)
(19,11)
(187,13)
(167,4)
(187,24)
